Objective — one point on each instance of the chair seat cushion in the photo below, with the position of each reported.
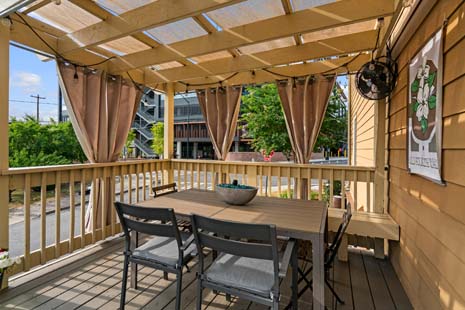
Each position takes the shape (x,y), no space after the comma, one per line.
(249,274)
(163,250)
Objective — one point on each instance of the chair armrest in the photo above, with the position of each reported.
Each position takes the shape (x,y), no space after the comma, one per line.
(287,258)
(187,243)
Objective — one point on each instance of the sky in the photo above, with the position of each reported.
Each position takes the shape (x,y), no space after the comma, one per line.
(31,76)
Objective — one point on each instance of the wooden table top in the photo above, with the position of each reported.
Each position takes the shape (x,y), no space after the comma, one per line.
(301,219)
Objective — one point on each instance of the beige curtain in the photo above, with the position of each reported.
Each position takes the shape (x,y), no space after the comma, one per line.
(102,109)
(220,108)
(304,103)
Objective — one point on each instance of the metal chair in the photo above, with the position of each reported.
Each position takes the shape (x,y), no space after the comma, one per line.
(164,189)
(168,249)
(247,269)
(330,255)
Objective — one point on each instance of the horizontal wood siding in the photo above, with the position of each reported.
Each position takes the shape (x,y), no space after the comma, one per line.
(362,143)
(430,257)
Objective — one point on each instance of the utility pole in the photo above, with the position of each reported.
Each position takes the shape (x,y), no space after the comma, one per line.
(60,105)
(38,103)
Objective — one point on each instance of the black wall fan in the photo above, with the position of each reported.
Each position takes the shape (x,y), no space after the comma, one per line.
(375,80)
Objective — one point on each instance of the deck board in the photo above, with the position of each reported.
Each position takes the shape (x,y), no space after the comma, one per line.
(96,284)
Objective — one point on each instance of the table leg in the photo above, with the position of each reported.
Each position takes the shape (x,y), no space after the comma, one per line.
(318,272)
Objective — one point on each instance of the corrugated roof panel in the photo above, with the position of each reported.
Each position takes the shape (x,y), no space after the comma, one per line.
(178,31)
(121,6)
(266,46)
(299,5)
(212,56)
(66,16)
(246,12)
(126,45)
(166,65)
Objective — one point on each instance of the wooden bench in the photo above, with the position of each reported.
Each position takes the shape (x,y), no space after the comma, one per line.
(374,225)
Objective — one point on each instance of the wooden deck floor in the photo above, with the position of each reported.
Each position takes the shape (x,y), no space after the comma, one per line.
(92,280)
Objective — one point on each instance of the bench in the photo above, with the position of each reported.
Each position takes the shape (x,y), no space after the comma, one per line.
(373,225)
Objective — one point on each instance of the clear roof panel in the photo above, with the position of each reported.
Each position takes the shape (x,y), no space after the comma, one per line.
(266,46)
(66,16)
(299,5)
(120,6)
(178,31)
(246,12)
(212,56)
(126,45)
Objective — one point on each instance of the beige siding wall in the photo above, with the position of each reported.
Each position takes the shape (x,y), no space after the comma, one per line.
(361,141)
(430,257)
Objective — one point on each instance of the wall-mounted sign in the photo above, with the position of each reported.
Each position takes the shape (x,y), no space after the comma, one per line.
(425,110)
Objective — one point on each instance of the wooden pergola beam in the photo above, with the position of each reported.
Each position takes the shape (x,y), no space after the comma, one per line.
(343,45)
(324,17)
(145,17)
(334,66)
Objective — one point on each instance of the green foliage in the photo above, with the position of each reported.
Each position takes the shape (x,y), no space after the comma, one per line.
(158,136)
(415,86)
(32,144)
(423,124)
(262,114)
(129,141)
(432,102)
(333,133)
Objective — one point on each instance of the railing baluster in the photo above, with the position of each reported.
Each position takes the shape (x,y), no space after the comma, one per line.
(72,211)
(57,213)
(289,194)
(129,185)
(103,195)
(205,177)
(112,200)
(27,222)
(94,203)
(320,184)
(270,181)
(152,168)
(331,187)
(198,175)
(43,223)
(191,170)
(309,183)
(355,207)
(83,208)
(343,189)
(260,180)
(144,182)
(185,175)
(368,185)
(137,184)
(279,181)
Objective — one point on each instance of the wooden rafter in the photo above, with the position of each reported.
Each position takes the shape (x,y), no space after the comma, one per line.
(327,67)
(288,9)
(343,45)
(148,16)
(324,17)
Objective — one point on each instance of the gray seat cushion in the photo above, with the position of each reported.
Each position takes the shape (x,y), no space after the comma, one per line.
(163,250)
(249,274)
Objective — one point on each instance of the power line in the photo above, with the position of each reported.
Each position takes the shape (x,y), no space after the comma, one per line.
(26,101)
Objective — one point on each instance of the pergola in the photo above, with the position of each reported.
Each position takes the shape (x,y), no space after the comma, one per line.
(184,45)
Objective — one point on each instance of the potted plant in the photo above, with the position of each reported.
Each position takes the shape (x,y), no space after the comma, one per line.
(235,193)
(5,263)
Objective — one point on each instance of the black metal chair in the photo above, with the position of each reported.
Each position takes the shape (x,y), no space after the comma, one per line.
(330,255)
(247,269)
(164,189)
(168,249)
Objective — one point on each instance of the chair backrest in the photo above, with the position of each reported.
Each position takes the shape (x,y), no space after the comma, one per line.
(331,251)
(150,221)
(164,189)
(246,240)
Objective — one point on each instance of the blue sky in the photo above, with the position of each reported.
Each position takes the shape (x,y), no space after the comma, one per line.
(31,76)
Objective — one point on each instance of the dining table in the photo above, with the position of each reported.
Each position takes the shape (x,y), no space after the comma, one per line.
(293,218)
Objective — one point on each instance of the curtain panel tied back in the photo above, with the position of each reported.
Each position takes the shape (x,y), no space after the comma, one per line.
(220,108)
(304,104)
(101,109)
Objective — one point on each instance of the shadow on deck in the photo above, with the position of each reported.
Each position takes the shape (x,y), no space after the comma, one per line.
(91,279)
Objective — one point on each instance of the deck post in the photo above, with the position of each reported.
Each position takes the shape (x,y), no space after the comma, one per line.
(168,139)
(4,114)
(380,174)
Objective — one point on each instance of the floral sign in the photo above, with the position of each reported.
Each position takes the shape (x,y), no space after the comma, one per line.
(425,110)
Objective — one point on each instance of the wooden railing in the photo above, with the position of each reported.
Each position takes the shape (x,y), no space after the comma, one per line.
(129,181)
(281,179)
(55,198)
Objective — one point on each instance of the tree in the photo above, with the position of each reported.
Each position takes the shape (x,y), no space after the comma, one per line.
(32,144)
(158,136)
(129,141)
(333,133)
(263,119)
